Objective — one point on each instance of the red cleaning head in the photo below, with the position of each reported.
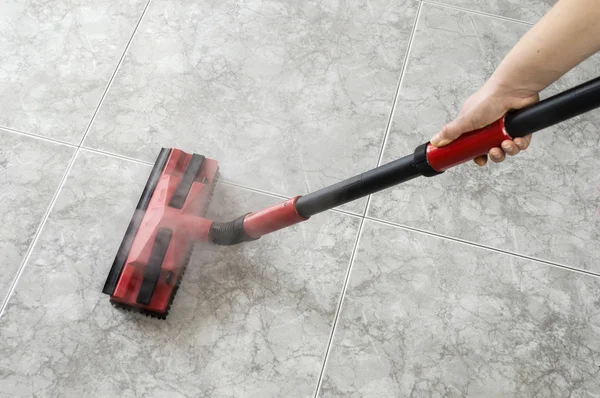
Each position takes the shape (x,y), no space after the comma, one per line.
(167,222)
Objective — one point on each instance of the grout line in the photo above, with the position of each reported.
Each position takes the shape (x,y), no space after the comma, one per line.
(482,246)
(219,180)
(116,156)
(279,196)
(39,137)
(112,78)
(67,172)
(347,213)
(364,216)
(38,233)
(256,190)
(339,308)
(471,11)
(388,127)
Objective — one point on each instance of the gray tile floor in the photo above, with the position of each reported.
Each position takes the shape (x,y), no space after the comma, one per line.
(481,282)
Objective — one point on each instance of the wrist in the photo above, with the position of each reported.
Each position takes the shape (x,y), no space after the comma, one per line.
(504,84)
(506,88)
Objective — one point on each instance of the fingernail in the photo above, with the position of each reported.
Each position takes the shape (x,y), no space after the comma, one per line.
(506,146)
(520,144)
(437,140)
(444,142)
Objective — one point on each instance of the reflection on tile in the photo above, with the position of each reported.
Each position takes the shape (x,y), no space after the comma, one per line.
(288,96)
(429,317)
(543,203)
(528,11)
(57,58)
(30,171)
(253,320)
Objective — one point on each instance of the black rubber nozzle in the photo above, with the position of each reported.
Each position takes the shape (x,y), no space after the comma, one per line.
(229,233)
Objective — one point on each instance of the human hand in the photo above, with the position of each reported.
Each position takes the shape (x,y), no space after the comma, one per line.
(487,105)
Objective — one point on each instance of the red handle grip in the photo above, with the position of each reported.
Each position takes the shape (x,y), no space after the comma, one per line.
(467,147)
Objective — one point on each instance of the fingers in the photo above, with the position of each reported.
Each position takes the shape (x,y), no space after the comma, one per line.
(508,147)
(523,143)
(496,155)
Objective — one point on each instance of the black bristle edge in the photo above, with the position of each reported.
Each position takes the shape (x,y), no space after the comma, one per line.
(123,252)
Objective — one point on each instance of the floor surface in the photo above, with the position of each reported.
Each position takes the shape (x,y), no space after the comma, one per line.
(482,282)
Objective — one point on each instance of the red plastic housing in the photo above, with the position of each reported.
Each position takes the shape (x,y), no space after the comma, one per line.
(467,146)
(186,228)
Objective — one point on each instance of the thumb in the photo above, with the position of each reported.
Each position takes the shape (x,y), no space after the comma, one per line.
(452,131)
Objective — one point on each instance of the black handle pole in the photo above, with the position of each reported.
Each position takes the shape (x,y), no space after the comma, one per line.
(364,184)
(546,113)
(553,110)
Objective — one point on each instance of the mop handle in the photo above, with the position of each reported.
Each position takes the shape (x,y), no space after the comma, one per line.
(426,160)
(519,123)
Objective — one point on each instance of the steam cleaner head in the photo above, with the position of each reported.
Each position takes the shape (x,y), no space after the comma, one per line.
(167,221)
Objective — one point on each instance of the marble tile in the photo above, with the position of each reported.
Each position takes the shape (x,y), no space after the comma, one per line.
(543,203)
(526,11)
(30,171)
(57,59)
(253,320)
(288,96)
(430,317)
